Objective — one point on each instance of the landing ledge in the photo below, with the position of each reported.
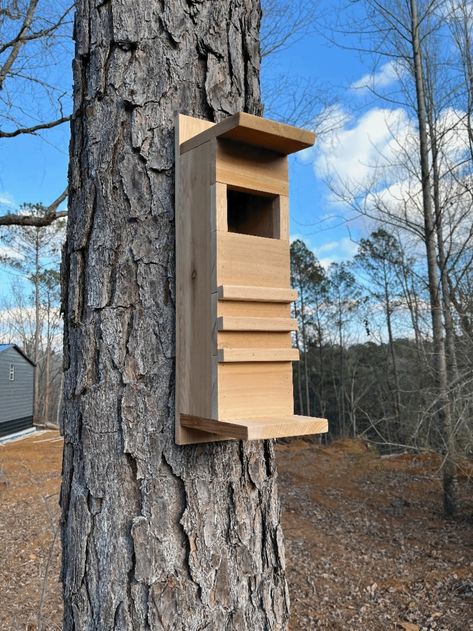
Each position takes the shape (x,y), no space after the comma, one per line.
(259,428)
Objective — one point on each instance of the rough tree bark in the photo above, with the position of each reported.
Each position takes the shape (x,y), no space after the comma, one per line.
(155,536)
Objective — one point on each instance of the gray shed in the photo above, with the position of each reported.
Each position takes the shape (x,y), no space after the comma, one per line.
(16,390)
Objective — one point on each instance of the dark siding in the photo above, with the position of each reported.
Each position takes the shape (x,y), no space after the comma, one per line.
(16,397)
(17,425)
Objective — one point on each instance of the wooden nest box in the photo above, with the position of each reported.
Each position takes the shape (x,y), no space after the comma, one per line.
(233,296)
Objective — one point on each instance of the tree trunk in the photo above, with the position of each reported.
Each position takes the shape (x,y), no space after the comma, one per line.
(341,371)
(439,355)
(47,366)
(155,536)
(299,371)
(392,352)
(36,330)
(304,346)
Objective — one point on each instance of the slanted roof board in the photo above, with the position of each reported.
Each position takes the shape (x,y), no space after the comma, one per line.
(257,131)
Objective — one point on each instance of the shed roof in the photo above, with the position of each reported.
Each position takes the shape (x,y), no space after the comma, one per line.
(5,347)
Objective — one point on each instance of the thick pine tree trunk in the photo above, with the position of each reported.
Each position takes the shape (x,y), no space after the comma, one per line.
(155,536)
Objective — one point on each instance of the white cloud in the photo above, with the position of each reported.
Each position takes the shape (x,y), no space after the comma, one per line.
(389,73)
(372,162)
(7,200)
(335,251)
(351,152)
(11,253)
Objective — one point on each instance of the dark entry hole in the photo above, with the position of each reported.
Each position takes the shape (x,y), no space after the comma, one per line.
(250,213)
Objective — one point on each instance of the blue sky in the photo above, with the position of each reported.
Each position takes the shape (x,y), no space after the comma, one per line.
(314,217)
(34,169)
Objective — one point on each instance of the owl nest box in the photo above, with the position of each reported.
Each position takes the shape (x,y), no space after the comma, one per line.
(233,295)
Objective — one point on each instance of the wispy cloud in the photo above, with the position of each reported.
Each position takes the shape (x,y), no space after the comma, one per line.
(351,152)
(388,74)
(7,200)
(335,251)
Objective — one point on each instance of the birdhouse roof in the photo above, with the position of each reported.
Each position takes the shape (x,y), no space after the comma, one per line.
(257,131)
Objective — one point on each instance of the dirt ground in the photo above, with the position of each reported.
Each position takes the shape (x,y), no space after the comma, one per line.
(366,546)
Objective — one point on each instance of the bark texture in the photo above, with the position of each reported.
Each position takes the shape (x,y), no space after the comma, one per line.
(155,536)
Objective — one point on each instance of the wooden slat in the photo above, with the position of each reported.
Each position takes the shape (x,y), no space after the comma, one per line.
(256,294)
(259,428)
(250,389)
(282,217)
(247,260)
(251,168)
(254,309)
(258,131)
(253,339)
(234,323)
(226,355)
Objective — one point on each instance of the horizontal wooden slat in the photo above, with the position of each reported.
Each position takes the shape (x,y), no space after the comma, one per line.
(243,259)
(245,168)
(256,294)
(249,389)
(245,309)
(258,131)
(254,339)
(226,355)
(233,323)
(258,428)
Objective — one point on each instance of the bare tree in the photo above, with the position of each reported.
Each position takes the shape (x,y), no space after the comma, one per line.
(34,252)
(406,31)
(34,38)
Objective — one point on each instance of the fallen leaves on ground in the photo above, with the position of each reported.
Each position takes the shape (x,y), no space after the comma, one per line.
(366,544)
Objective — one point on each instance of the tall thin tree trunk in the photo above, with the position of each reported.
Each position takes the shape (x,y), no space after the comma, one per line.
(392,352)
(299,371)
(36,330)
(452,368)
(341,367)
(47,367)
(440,363)
(304,345)
(155,536)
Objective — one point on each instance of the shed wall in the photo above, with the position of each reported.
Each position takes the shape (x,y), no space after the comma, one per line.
(16,397)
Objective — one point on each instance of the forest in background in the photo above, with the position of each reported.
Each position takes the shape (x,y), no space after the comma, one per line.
(366,347)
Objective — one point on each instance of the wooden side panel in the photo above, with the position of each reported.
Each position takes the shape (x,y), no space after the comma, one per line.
(193,287)
(254,389)
(247,260)
(251,168)
(282,216)
(188,127)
